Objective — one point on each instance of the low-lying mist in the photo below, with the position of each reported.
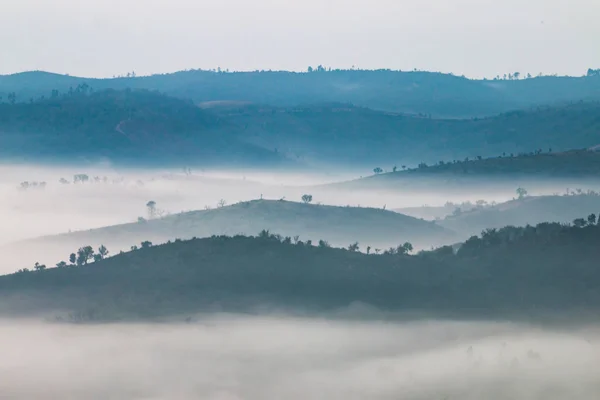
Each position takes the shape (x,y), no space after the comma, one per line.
(283,357)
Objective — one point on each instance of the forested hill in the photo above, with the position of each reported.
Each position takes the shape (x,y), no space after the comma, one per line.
(427,93)
(512,272)
(142,126)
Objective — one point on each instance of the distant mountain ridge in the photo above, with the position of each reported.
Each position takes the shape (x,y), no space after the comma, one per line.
(414,92)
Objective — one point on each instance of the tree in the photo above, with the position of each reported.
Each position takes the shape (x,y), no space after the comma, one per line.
(368,249)
(222,203)
(97,257)
(377,170)
(591,219)
(103,252)
(146,244)
(39,267)
(394,169)
(405,248)
(579,222)
(307,198)
(353,247)
(84,255)
(73,258)
(310,69)
(61,264)
(151,206)
(516,75)
(324,243)
(521,192)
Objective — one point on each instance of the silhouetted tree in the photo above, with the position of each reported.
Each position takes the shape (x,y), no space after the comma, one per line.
(324,243)
(521,192)
(591,219)
(377,170)
(73,258)
(39,267)
(103,252)
(146,244)
(353,247)
(84,255)
(307,198)
(151,207)
(61,264)
(579,222)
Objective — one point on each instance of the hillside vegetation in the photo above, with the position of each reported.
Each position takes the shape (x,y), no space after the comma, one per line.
(413,92)
(512,272)
(145,127)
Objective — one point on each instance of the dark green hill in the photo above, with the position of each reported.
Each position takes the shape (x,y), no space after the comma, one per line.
(424,93)
(514,272)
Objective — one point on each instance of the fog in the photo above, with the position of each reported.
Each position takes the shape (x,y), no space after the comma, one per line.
(120,196)
(278,357)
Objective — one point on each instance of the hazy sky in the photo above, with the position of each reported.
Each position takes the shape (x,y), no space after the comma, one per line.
(471,37)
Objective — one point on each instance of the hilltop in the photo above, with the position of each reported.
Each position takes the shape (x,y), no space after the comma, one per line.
(512,272)
(143,127)
(340,226)
(414,92)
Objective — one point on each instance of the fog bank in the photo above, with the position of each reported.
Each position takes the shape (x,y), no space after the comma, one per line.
(242,357)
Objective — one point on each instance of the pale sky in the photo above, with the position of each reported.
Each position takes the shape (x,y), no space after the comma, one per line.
(101,38)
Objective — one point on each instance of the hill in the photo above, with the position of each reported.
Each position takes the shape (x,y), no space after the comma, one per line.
(414,92)
(521,212)
(540,170)
(340,226)
(126,126)
(513,272)
(137,126)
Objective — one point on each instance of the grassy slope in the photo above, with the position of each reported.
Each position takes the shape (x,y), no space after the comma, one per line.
(549,268)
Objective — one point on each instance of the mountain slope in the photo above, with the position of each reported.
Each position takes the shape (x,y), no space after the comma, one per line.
(409,92)
(519,273)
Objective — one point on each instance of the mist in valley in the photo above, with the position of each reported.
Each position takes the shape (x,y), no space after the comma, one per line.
(38,201)
(227,356)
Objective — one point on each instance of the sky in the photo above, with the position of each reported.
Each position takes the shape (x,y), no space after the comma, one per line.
(477,38)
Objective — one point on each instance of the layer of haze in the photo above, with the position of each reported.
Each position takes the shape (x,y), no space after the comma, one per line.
(472,37)
(62,208)
(229,357)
